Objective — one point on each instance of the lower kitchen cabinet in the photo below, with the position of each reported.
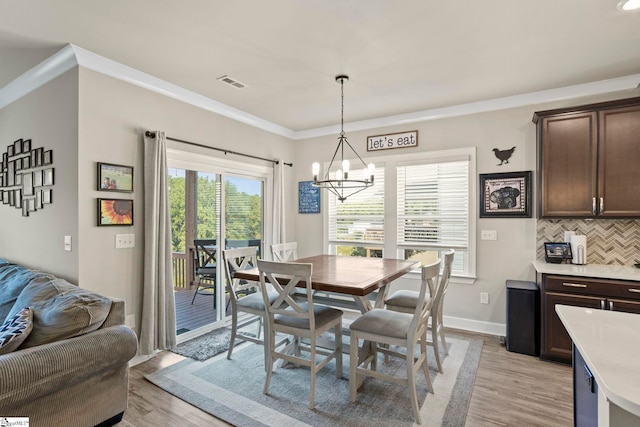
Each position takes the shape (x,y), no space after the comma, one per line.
(556,343)
(602,294)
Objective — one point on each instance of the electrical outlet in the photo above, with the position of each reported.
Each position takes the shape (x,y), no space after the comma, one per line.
(489,235)
(484,297)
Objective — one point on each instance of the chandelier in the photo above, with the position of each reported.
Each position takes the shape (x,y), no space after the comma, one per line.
(342,185)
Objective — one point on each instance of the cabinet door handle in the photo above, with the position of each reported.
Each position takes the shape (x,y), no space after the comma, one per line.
(637,291)
(575,285)
(593,206)
(601,304)
(601,205)
(611,305)
(588,377)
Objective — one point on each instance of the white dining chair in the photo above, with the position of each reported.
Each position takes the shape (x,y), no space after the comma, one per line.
(245,297)
(287,315)
(405,301)
(283,252)
(386,328)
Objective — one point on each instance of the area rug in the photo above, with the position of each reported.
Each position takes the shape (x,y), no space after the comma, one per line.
(232,391)
(205,346)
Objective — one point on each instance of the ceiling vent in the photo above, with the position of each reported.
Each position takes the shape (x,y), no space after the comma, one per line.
(231,81)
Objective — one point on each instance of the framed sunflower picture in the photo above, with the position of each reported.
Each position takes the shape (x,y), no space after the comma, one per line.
(115,212)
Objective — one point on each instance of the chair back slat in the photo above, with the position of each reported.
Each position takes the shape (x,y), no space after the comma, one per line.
(424,303)
(236,260)
(443,284)
(205,253)
(283,252)
(285,277)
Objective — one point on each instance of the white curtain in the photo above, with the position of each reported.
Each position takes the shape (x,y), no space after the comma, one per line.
(279,231)
(158,327)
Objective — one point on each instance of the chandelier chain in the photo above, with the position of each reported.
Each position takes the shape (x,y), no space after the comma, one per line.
(341,107)
(343,185)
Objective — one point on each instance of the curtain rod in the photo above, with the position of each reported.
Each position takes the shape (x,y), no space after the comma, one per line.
(150,134)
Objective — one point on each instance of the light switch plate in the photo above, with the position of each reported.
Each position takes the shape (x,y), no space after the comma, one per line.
(484,297)
(489,235)
(125,241)
(67,243)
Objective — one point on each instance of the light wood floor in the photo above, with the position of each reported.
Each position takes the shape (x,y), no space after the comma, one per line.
(511,389)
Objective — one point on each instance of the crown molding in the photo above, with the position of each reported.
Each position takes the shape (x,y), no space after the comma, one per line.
(130,75)
(57,64)
(515,101)
(71,56)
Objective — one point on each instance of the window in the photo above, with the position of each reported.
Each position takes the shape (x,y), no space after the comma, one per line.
(356,226)
(432,210)
(421,205)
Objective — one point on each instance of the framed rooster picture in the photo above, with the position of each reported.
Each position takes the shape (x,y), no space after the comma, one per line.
(505,195)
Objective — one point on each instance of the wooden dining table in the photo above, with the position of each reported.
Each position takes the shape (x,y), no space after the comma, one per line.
(346,281)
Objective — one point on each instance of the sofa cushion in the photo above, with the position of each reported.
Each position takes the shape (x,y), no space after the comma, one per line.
(13,279)
(61,310)
(15,330)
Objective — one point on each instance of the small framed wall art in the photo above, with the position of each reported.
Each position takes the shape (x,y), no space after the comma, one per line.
(505,195)
(114,212)
(308,198)
(115,178)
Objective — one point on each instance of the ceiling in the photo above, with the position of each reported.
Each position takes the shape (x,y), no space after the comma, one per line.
(401,56)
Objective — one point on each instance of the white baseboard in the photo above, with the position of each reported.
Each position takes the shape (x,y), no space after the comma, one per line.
(498,329)
(139,358)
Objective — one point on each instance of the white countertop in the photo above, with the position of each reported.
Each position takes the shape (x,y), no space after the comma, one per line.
(622,272)
(609,341)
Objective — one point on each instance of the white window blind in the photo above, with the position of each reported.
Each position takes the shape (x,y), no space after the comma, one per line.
(433,201)
(360,218)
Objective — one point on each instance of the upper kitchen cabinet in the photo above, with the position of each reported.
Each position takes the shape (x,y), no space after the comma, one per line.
(589,161)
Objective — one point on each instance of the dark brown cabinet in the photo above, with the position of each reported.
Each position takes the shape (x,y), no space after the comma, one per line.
(588,160)
(601,294)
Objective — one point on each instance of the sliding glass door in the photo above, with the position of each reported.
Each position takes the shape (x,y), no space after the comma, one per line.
(224,207)
(243,212)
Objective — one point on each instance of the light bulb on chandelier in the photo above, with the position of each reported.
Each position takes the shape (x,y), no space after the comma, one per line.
(341,185)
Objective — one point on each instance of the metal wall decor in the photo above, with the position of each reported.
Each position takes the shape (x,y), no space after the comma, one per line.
(26,177)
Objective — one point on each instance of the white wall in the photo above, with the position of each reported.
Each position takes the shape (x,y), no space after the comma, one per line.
(49,117)
(510,256)
(113,117)
(87,117)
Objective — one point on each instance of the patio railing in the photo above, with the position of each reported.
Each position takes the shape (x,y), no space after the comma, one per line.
(183,274)
(179,260)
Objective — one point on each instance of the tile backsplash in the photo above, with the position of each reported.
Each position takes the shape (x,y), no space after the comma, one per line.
(609,241)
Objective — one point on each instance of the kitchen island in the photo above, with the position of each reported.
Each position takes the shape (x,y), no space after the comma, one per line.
(609,344)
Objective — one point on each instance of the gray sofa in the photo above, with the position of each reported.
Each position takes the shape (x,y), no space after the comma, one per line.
(70,366)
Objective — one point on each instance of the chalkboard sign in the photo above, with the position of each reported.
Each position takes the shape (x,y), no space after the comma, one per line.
(308,198)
